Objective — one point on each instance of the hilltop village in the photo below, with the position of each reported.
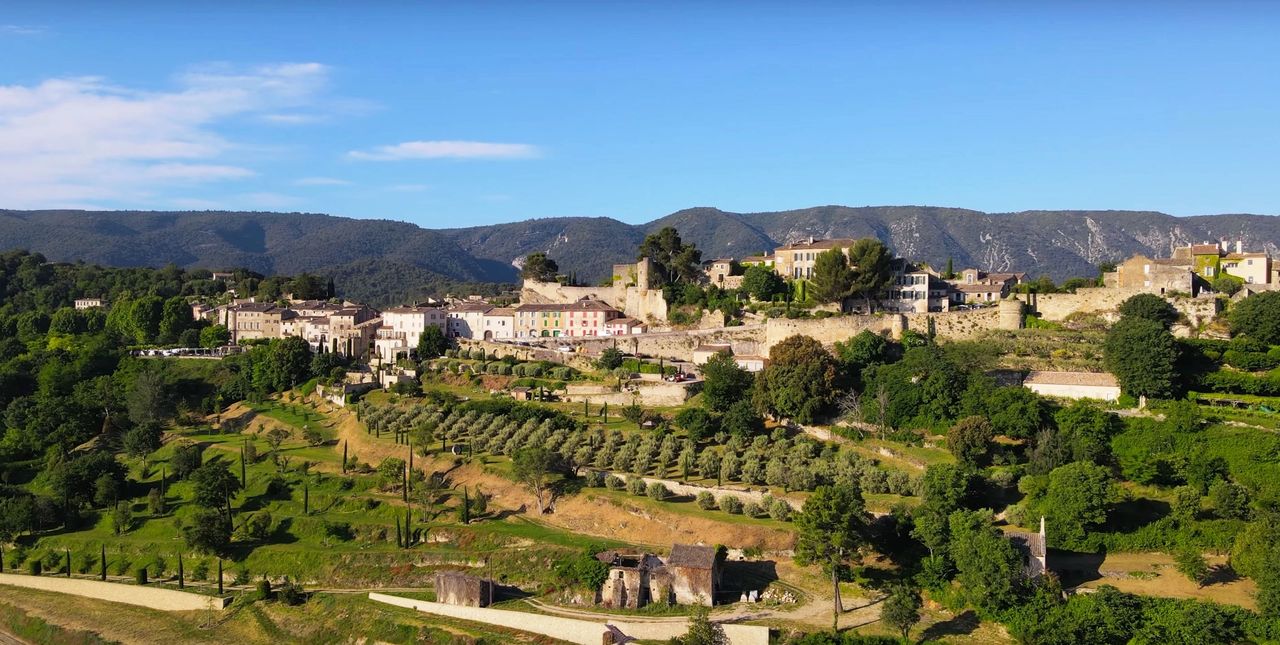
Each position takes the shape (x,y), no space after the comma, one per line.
(821,442)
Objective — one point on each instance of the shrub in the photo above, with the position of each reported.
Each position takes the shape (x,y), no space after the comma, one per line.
(264,589)
(730,504)
(657,491)
(635,486)
(291,593)
(200,570)
(35,567)
(779,510)
(595,478)
(140,575)
(706,501)
(614,482)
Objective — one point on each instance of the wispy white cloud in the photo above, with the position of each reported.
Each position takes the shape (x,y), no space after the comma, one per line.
(84,141)
(408,188)
(446,150)
(321,181)
(21,30)
(292,119)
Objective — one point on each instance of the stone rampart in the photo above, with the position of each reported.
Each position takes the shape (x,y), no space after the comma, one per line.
(573,630)
(152,597)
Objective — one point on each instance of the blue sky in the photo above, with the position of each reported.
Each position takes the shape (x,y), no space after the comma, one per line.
(453,114)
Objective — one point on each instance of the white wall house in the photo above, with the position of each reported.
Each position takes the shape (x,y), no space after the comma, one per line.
(1074,385)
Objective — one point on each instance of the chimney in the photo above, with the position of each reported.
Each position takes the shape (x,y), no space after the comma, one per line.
(1222,244)
(1239,246)
(1041,527)
(811,239)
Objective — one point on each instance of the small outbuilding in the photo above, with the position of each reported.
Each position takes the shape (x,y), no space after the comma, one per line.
(1073,385)
(455,588)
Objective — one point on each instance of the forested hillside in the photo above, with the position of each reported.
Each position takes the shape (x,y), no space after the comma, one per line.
(380,261)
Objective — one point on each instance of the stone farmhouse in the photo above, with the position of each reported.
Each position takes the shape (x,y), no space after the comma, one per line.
(975,286)
(90,303)
(690,575)
(1194,267)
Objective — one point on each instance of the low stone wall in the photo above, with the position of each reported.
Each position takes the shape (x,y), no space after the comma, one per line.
(675,345)
(152,597)
(573,630)
(650,393)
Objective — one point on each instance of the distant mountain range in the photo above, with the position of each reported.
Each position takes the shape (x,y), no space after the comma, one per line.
(383,260)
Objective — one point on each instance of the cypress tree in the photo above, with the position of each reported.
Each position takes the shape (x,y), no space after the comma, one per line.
(1,558)
(404,490)
(410,444)
(605,412)
(68,562)
(219,576)
(181,576)
(102,571)
(408,522)
(244,480)
(163,482)
(306,498)
(399,544)
(466,506)
(344,457)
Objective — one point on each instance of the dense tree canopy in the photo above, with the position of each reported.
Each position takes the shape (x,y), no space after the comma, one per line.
(1143,356)
(801,381)
(539,267)
(872,268)
(832,279)
(763,283)
(674,260)
(1149,306)
(1258,316)
(987,565)
(724,382)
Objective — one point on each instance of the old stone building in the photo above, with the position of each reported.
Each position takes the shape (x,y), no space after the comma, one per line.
(455,588)
(690,575)
(1034,549)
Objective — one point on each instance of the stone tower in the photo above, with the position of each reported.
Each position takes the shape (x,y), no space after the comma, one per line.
(1011,314)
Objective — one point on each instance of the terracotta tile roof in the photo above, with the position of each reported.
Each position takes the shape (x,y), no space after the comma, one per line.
(1095,379)
(979,288)
(471,307)
(1205,249)
(818,244)
(501,311)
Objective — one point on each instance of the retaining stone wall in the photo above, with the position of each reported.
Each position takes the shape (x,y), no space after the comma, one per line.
(152,597)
